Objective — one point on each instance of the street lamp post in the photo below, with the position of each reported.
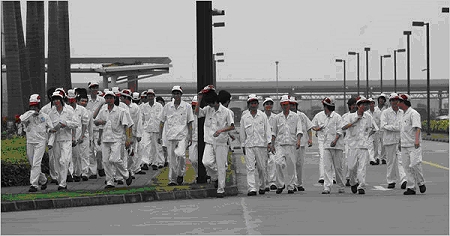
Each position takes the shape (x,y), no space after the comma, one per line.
(421,23)
(381,71)
(408,51)
(357,67)
(215,66)
(367,71)
(276,64)
(345,86)
(395,67)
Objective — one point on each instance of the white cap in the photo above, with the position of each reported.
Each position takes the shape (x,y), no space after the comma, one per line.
(135,96)
(151,91)
(93,83)
(57,94)
(115,90)
(292,100)
(361,99)
(404,97)
(62,92)
(252,97)
(207,88)
(109,93)
(35,99)
(382,95)
(285,98)
(177,88)
(371,100)
(144,94)
(393,96)
(194,100)
(268,99)
(71,93)
(328,101)
(126,93)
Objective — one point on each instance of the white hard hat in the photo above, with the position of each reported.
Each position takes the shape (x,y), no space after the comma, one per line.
(135,96)
(285,98)
(328,101)
(177,88)
(126,93)
(151,91)
(194,100)
(35,99)
(393,96)
(252,97)
(93,83)
(71,93)
(268,99)
(404,97)
(109,92)
(361,99)
(293,100)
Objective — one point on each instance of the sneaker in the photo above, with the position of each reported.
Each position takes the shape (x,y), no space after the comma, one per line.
(69,178)
(354,188)
(54,181)
(32,189)
(120,182)
(154,167)
(422,188)
(267,189)
(172,184)
(160,167)
(361,191)
(166,164)
(101,172)
(321,181)
(141,173)
(372,163)
(295,189)
(348,183)
(326,192)
(284,186)
(383,162)
(180,180)
(109,186)
(130,179)
(44,186)
(144,167)
(262,191)
(391,185)
(291,191)
(76,178)
(62,188)
(341,191)
(273,187)
(409,192)
(220,195)
(251,193)
(280,190)
(300,188)
(403,185)
(378,162)
(84,178)
(93,177)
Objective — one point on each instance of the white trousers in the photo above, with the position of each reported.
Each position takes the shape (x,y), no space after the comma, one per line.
(155,150)
(35,152)
(321,166)
(134,160)
(412,163)
(95,155)
(53,164)
(333,158)
(345,162)
(144,146)
(85,158)
(382,152)
(63,154)
(376,145)
(256,158)
(193,156)
(177,161)
(271,170)
(357,165)
(371,149)
(300,160)
(395,171)
(286,152)
(112,161)
(215,161)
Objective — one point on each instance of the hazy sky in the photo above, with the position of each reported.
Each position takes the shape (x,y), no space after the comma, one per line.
(305,36)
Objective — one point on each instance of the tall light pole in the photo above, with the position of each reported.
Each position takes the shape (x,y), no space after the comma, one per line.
(276,64)
(381,71)
(215,65)
(367,71)
(395,67)
(345,86)
(421,23)
(357,67)
(408,69)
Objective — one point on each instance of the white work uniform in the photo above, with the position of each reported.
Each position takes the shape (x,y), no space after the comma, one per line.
(215,154)
(52,162)
(134,161)
(176,120)
(271,168)
(382,152)
(112,141)
(80,163)
(193,149)
(390,124)
(152,152)
(374,139)
(62,145)
(36,128)
(255,135)
(412,157)
(95,149)
(86,145)
(358,141)
(345,151)
(285,130)
(319,120)
(333,155)
(300,153)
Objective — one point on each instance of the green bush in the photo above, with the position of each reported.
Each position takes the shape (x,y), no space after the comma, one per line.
(436,126)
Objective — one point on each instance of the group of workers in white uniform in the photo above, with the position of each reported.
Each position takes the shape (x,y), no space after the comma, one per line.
(118,134)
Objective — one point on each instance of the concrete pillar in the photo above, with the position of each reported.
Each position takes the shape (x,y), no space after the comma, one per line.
(105,82)
(114,81)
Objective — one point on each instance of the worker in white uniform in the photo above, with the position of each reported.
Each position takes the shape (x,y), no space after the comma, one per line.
(164,136)
(255,137)
(351,103)
(381,107)
(411,141)
(271,167)
(53,164)
(63,122)
(218,121)
(359,126)
(390,125)
(151,112)
(86,145)
(286,133)
(333,146)
(114,125)
(193,149)
(37,126)
(177,118)
(306,140)
(143,151)
(374,140)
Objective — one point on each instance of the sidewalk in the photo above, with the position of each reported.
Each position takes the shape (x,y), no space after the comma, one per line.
(149,187)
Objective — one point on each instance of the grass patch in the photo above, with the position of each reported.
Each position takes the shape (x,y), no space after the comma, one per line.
(435,135)
(14,150)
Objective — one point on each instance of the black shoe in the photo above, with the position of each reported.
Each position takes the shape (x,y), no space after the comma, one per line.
(216,183)
(109,186)
(180,180)
(301,189)
(267,189)
(378,162)
(32,189)
(141,173)
(115,180)
(354,188)
(172,184)
(325,192)
(403,185)
(208,177)
(101,172)
(154,167)
(76,178)
(361,191)
(334,181)
(372,163)
(160,167)
(166,164)
(144,167)
(130,179)
(262,191)
(290,191)
(284,186)
(69,178)
(62,188)
(84,178)
(295,189)
(348,183)
(391,185)
(220,195)
(422,188)
(280,190)
(120,182)
(133,177)
(273,187)
(321,181)
(54,181)
(93,177)
(383,162)
(409,192)
(44,186)
(252,193)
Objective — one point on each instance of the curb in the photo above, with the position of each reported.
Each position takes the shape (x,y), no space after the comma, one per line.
(148,196)
(435,139)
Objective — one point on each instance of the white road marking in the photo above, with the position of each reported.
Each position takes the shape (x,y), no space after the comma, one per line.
(248,224)
(381,188)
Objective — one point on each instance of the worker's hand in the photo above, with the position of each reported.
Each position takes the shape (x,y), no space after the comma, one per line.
(310,142)
(333,143)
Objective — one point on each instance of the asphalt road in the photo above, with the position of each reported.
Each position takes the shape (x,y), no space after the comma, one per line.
(379,211)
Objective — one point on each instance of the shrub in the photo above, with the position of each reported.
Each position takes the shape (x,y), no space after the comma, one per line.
(436,126)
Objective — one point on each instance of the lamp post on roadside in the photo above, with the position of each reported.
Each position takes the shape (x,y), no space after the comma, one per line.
(357,67)
(408,51)
(215,65)
(276,65)
(345,86)
(381,71)
(421,23)
(367,70)
(395,67)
